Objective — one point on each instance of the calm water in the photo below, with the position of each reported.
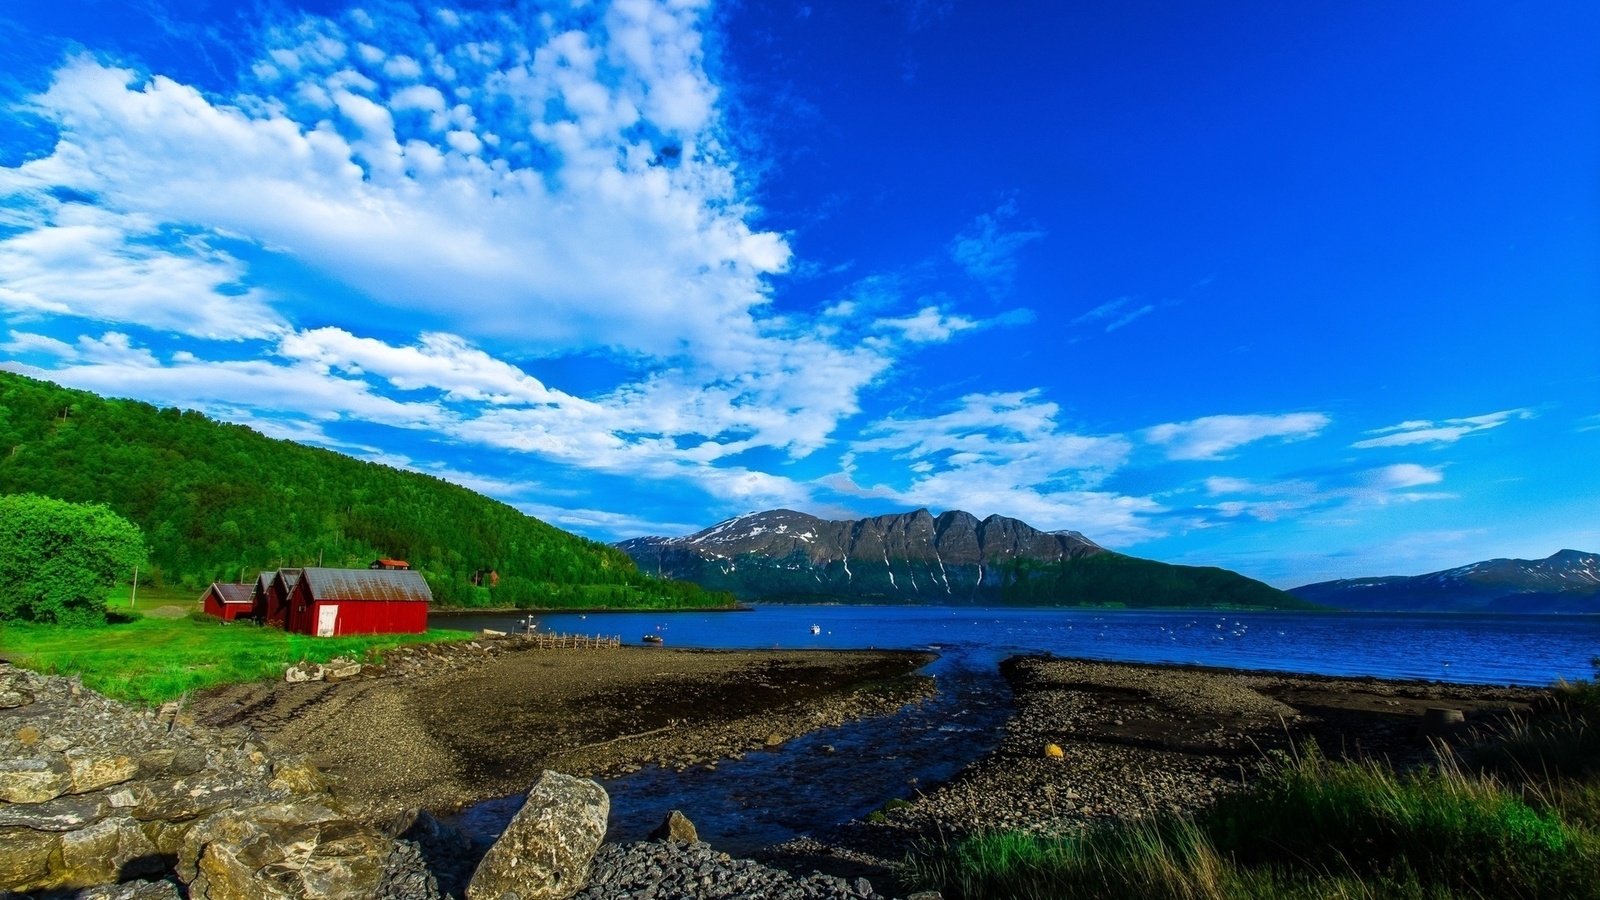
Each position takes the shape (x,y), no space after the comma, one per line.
(769,797)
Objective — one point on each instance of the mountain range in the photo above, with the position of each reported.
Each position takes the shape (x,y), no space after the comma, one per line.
(917,557)
(1565,582)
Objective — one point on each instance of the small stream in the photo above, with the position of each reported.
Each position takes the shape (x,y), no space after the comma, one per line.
(771,796)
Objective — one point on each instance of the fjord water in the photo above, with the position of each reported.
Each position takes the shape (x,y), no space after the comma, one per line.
(772,796)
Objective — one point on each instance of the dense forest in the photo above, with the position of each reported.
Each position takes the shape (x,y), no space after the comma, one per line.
(1111,579)
(219,501)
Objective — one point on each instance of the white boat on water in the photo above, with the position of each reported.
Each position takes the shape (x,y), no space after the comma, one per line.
(816,629)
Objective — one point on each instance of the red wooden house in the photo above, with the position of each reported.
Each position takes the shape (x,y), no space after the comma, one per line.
(389,564)
(271,596)
(336,602)
(228,601)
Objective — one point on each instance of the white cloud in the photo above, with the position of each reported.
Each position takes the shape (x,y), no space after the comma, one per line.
(1272,501)
(1446,431)
(1403,475)
(515,189)
(1211,437)
(23,343)
(1005,453)
(79,260)
(569,235)
(987,248)
(928,325)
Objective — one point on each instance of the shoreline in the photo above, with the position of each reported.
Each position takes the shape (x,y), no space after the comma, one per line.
(1143,739)
(598,610)
(480,721)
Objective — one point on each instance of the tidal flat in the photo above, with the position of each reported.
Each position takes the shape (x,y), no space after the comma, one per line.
(449,728)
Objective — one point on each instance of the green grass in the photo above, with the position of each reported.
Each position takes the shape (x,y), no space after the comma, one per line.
(1308,828)
(151,660)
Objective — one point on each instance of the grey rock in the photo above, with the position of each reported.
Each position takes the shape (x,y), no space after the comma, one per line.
(675,827)
(281,851)
(106,852)
(25,857)
(546,850)
(132,890)
(33,779)
(14,699)
(60,814)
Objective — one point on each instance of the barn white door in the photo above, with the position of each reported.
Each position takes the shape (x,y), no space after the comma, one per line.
(327,619)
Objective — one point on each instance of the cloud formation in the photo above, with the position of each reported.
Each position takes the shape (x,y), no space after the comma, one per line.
(1003,452)
(1446,431)
(987,248)
(1212,437)
(555,182)
(1272,501)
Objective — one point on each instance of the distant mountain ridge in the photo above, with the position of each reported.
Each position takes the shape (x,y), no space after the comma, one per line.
(917,557)
(1567,581)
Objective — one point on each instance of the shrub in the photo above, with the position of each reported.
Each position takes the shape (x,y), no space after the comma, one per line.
(59,560)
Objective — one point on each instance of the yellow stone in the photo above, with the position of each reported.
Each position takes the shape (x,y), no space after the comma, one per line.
(1054,751)
(28,736)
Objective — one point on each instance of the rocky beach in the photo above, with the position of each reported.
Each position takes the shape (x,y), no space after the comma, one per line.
(339,777)
(1133,740)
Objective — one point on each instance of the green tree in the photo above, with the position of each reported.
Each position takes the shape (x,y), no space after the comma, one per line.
(58,560)
(218,499)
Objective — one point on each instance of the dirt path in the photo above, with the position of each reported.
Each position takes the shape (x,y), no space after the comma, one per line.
(444,739)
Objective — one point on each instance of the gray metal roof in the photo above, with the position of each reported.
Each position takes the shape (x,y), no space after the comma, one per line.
(368,584)
(233,593)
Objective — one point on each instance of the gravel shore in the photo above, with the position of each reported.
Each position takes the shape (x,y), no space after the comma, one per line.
(1139,740)
(1135,741)
(444,728)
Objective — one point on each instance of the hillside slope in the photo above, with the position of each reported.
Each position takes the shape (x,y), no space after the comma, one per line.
(916,557)
(1567,581)
(216,499)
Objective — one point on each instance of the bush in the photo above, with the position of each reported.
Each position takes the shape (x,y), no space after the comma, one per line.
(59,560)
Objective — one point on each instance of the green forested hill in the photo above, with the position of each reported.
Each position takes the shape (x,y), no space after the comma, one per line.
(216,499)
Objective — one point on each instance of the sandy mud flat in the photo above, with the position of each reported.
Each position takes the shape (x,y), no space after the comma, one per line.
(468,729)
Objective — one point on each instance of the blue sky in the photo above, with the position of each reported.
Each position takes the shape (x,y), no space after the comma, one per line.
(1303,292)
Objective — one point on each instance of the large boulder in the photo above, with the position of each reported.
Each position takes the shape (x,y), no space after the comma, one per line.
(546,851)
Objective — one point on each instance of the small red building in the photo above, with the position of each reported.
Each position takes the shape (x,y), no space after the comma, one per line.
(337,602)
(271,596)
(389,564)
(228,601)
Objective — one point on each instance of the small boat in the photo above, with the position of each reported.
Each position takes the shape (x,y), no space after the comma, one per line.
(816,629)
(651,639)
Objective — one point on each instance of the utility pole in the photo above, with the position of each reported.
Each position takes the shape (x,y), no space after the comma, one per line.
(133,596)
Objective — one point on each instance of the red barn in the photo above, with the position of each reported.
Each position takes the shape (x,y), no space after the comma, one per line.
(228,601)
(389,564)
(337,602)
(271,596)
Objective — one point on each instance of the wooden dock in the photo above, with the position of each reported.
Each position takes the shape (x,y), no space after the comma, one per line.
(545,641)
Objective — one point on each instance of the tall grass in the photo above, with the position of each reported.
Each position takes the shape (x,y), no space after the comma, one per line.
(1308,828)
(1553,753)
(150,660)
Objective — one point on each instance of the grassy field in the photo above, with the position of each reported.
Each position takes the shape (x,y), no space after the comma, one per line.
(1515,816)
(149,660)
